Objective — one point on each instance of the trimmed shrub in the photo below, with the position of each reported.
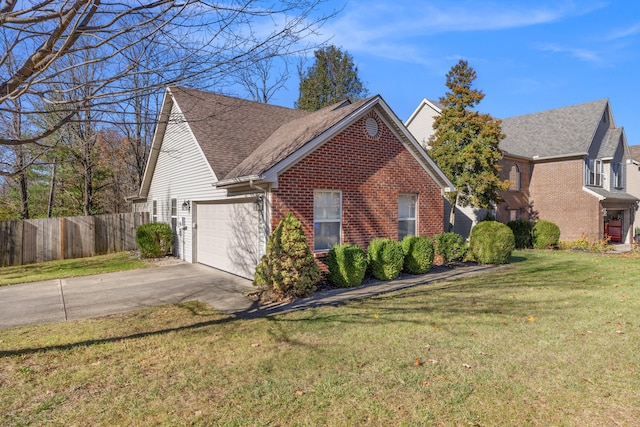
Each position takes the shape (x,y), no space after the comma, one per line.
(288,270)
(347,265)
(491,242)
(545,235)
(418,254)
(385,258)
(154,239)
(521,232)
(451,246)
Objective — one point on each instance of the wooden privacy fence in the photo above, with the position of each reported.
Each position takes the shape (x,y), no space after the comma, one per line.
(46,239)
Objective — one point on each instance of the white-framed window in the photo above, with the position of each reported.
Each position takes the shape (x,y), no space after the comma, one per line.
(406,214)
(154,212)
(174,214)
(593,172)
(514,178)
(514,214)
(618,175)
(327,219)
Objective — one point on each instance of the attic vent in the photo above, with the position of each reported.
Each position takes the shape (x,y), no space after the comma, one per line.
(371,126)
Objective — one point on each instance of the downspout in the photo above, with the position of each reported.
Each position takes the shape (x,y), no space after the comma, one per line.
(262,210)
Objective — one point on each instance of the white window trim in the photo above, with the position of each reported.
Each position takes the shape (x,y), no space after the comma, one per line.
(414,218)
(594,172)
(618,175)
(154,211)
(320,221)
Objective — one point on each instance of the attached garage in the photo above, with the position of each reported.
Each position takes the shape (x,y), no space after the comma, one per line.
(227,236)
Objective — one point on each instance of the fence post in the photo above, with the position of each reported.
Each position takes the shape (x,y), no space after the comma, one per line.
(63,238)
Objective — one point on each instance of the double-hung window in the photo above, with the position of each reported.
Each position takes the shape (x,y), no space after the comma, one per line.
(594,172)
(618,175)
(154,215)
(406,215)
(327,219)
(174,215)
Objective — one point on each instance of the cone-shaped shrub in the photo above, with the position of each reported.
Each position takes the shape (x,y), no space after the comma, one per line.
(347,265)
(418,254)
(154,239)
(385,258)
(545,235)
(288,268)
(451,246)
(521,232)
(491,242)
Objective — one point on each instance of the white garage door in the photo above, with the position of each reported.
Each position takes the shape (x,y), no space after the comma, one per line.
(227,237)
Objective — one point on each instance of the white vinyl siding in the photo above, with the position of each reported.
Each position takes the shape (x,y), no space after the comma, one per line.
(327,219)
(181,173)
(406,215)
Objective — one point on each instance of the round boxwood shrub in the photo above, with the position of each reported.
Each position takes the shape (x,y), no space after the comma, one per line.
(154,239)
(491,242)
(451,246)
(347,265)
(545,235)
(521,232)
(418,254)
(385,258)
(288,270)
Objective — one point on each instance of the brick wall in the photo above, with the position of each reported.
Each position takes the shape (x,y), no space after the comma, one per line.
(515,199)
(370,173)
(556,195)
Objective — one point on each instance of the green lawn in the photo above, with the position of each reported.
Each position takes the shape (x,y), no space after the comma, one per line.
(550,340)
(119,261)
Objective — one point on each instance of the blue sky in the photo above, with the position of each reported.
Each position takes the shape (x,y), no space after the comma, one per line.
(529,55)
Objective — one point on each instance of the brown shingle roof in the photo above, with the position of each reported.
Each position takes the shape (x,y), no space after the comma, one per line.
(292,136)
(229,129)
(635,152)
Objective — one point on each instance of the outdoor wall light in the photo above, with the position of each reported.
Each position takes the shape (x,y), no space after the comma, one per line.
(186,205)
(604,211)
(257,204)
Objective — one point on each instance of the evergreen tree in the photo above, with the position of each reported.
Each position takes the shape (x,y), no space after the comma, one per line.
(288,270)
(465,144)
(331,79)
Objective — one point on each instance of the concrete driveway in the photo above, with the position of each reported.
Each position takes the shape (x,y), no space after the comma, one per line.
(102,294)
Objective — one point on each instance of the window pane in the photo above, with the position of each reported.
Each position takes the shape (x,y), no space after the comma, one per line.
(325,235)
(406,206)
(174,207)
(406,227)
(326,205)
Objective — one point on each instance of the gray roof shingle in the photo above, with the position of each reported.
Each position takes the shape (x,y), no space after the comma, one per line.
(557,132)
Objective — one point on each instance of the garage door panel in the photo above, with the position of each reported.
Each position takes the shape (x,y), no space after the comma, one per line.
(228,237)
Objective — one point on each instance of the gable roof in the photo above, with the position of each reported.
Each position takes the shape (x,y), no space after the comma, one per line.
(635,152)
(429,104)
(245,140)
(229,129)
(559,132)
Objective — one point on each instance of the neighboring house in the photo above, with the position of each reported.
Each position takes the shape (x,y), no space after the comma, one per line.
(568,165)
(225,171)
(633,181)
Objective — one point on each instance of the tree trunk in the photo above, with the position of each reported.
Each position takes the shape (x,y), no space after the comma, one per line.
(52,188)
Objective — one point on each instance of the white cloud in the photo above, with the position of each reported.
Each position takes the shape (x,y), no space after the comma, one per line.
(397,30)
(626,32)
(578,53)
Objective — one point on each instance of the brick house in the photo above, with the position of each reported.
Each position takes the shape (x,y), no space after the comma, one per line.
(567,165)
(224,172)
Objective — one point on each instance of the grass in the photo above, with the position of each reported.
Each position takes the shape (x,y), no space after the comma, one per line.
(551,339)
(119,261)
